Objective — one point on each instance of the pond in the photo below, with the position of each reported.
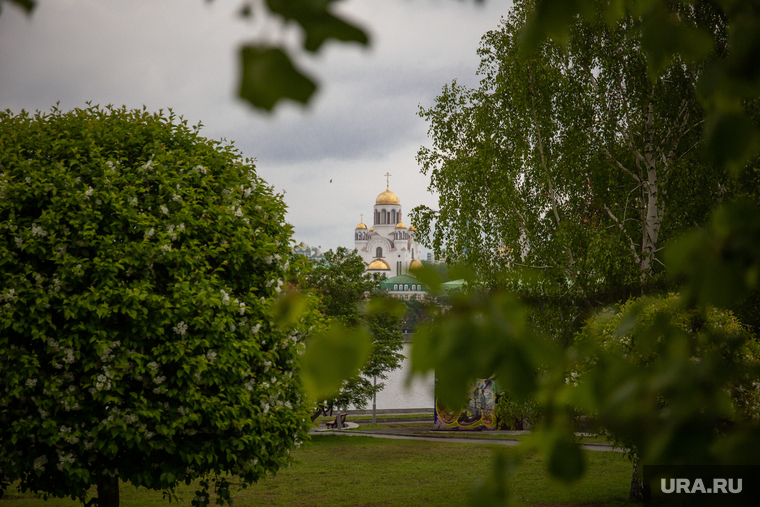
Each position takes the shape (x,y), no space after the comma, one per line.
(396,396)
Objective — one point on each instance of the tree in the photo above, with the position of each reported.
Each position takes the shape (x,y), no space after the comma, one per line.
(640,345)
(570,163)
(139,265)
(714,265)
(344,287)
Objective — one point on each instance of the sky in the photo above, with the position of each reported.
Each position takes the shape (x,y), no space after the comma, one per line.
(182,54)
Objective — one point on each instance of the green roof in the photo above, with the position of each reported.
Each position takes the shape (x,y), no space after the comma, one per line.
(453,285)
(388,283)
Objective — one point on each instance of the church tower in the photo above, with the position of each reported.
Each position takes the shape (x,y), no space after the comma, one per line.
(388,247)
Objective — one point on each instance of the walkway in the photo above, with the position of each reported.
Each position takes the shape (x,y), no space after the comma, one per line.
(430,436)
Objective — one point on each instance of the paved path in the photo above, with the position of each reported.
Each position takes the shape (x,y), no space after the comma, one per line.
(456,440)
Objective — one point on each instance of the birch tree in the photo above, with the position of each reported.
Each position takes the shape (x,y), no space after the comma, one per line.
(563,161)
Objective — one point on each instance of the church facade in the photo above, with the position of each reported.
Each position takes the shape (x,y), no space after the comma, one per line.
(388,246)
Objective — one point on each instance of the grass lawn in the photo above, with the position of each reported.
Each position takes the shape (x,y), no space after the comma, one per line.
(341,470)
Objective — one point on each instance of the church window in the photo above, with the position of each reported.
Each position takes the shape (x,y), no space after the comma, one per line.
(395,286)
(393,216)
(414,287)
(406,287)
(379,252)
(384,217)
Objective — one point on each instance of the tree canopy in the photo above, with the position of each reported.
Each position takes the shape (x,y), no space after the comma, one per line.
(350,296)
(570,163)
(139,263)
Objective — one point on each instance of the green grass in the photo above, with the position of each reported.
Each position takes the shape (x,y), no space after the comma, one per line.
(342,470)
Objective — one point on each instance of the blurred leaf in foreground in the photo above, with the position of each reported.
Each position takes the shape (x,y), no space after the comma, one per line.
(268,76)
(331,357)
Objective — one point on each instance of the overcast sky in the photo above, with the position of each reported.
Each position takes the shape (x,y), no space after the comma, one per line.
(182,54)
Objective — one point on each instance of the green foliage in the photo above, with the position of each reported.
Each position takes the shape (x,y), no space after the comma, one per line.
(646,328)
(268,76)
(331,357)
(511,413)
(342,282)
(364,340)
(725,83)
(563,174)
(139,265)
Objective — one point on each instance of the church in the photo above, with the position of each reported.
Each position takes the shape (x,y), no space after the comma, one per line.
(388,246)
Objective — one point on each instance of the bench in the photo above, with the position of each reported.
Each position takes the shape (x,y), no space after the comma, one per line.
(334,422)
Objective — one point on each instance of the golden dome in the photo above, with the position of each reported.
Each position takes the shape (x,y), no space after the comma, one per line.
(415,264)
(379,264)
(361,226)
(387,197)
(412,228)
(401,225)
(371,228)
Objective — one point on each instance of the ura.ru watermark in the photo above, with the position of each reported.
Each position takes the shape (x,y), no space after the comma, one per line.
(714,485)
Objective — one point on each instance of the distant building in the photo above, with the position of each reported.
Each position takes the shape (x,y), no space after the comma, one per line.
(404,287)
(388,246)
(314,254)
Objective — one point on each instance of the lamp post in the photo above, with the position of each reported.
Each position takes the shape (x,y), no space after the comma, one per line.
(374,400)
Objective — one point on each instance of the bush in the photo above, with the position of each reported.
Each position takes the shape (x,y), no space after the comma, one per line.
(513,414)
(139,262)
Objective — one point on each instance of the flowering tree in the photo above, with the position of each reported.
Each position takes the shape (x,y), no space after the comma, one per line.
(138,266)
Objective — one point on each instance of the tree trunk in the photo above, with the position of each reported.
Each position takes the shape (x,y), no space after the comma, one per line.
(637,484)
(108,492)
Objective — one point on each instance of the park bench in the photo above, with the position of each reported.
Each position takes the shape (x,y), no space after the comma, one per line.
(334,422)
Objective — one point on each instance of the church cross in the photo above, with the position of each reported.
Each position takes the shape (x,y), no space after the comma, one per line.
(387,181)
(362,215)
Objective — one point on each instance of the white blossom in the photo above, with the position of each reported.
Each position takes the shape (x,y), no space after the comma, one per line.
(211,355)
(164,209)
(159,380)
(176,198)
(225,297)
(69,359)
(256,328)
(31,382)
(18,241)
(150,233)
(133,201)
(166,248)
(40,462)
(38,231)
(180,328)
(242,308)
(200,169)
